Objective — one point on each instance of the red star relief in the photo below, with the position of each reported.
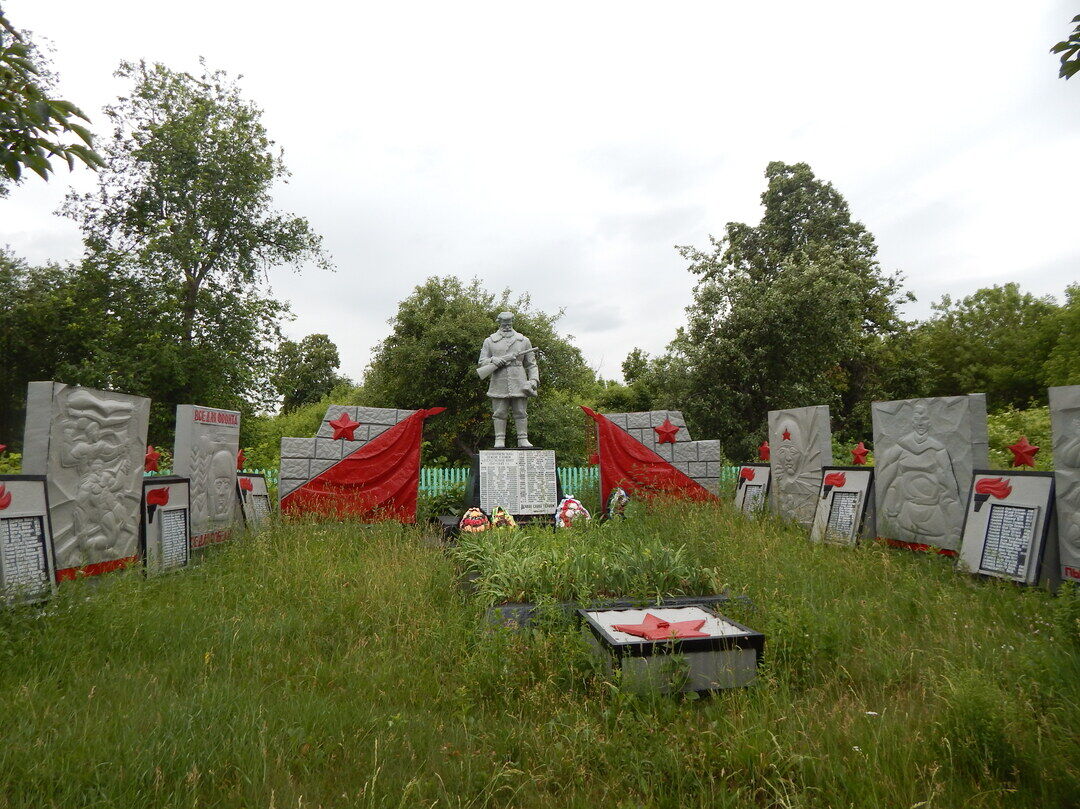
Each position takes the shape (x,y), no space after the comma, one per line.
(1023,452)
(150,462)
(763,452)
(787,435)
(344,427)
(666,432)
(653,628)
(241,459)
(858,455)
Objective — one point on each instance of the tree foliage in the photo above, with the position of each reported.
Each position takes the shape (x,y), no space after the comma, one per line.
(429,360)
(791,311)
(35,128)
(995,340)
(1070,52)
(183,212)
(306,371)
(1062,366)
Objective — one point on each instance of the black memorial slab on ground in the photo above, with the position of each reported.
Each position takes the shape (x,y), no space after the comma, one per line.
(254,498)
(752,488)
(27,568)
(845,505)
(728,656)
(1007,526)
(165,535)
(523,480)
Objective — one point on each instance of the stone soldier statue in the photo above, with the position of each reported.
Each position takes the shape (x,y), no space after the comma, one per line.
(508,361)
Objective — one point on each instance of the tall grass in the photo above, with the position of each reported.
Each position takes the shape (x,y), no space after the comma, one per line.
(343,665)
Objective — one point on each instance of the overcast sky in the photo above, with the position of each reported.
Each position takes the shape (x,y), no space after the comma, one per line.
(563,149)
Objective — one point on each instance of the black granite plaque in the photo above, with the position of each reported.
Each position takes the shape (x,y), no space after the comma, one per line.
(22,546)
(1009,532)
(261,504)
(843,514)
(174,538)
(753,497)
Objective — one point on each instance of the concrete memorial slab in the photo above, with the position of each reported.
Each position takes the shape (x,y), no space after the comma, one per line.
(752,489)
(1065,423)
(926,451)
(845,505)
(1006,524)
(166,523)
(674,649)
(91,445)
(27,573)
(254,498)
(205,451)
(522,481)
(801,444)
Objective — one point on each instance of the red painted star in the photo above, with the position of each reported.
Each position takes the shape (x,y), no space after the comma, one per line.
(666,431)
(241,459)
(763,452)
(653,628)
(150,462)
(1023,452)
(787,435)
(858,455)
(344,426)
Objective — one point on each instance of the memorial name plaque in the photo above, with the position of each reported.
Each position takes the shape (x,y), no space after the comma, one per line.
(166,528)
(1006,525)
(26,560)
(844,509)
(521,481)
(752,488)
(254,498)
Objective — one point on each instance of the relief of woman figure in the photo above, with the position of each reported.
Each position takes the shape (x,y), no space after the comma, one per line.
(922,489)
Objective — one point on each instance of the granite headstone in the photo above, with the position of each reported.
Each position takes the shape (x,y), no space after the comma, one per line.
(205,451)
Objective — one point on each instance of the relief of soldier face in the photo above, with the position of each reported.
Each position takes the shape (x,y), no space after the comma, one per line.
(789,452)
(222,483)
(920,420)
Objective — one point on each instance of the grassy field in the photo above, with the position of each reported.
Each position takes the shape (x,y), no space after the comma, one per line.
(344,665)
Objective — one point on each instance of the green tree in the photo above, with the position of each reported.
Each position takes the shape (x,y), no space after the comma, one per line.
(35,128)
(307,371)
(994,341)
(183,207)
(793,311)
(1070,52)
(429,360)
(1062,366)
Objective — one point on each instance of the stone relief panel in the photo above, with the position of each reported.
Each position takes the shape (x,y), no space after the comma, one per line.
(90,444)
(207,443)
(801,442)
(1065,423)
(926,451)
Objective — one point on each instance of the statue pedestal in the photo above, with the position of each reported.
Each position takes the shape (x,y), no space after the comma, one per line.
(521,480)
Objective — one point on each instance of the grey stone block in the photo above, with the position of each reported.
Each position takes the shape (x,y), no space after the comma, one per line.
(617,418)
(656,417)
(638,421)
(295,468)
(664,451)
(376,430)
(324,431)
(328,448)
(710,483)
(698,469)
(349,447)
(333,411)
(286,485)
(682,466)
(376,415)
(320,465)
(644,436)
(297,447)
(403,414)
(709,450)
(713,468)
(686,451)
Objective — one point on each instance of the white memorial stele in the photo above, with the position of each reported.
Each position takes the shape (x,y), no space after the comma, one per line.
(166,523)
(27,573)
(524,482)
(1065,422)
(752,488)
(844,506)
(254,498)
(205,451)
(91,445)
(801,443)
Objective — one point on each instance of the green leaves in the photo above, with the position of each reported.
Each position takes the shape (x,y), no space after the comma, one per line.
(1070,52)
(33,126)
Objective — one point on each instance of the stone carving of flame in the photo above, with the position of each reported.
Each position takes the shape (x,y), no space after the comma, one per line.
(998,487)
(245,484)
(158,497)
(835,479)
(5,497)
(747,473)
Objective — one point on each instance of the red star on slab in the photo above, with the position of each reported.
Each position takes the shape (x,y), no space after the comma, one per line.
(666,431)
(150,462)
(763,452)
(1023,452)
(344,427)
(787,435)
(241,459)
(653,628)
(858,455)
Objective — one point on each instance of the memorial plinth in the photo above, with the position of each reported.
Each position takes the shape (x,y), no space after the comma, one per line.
(522,481)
